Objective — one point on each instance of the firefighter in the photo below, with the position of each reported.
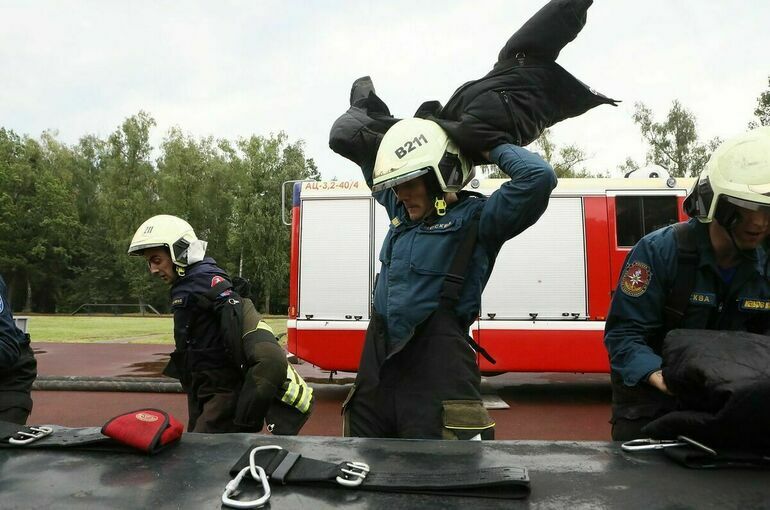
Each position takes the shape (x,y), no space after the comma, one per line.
(714,265)
(418,376)
(18,367)
(223,395)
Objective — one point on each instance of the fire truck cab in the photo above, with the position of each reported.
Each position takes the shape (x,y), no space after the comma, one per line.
(544,307)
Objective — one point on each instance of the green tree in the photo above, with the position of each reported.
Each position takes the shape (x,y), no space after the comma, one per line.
(195,179)
(128,197)
(258,237)
(564,160)
(38,221)
(762,111)
(673,143)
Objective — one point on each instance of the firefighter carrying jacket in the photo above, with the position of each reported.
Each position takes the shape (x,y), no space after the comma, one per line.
(223,395)
(730,210)
(18,367)
(418,376)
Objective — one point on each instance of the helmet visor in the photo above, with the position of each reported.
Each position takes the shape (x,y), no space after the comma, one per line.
(400,179)
(728,210)
(137,249)
(747,204)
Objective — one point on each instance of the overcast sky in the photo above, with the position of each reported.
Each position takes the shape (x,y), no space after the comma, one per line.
(233,69)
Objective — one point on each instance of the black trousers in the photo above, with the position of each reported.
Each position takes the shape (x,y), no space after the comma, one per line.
(15,415)
(430,389)
(633,407)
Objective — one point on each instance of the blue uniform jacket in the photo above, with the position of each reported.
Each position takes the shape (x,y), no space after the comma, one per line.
(636,315)
(11,338)
(416,256)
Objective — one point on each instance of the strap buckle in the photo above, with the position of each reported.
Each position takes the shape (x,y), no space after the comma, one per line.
(353,474)
(35,433)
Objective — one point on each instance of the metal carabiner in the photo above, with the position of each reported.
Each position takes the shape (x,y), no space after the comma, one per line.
(232,487)
(30,437)
(657,444)
(252,463)
(357,470)
(650,444)
(257,473)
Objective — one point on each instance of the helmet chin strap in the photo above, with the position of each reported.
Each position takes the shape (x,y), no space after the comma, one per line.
(440,204)
(179,270)
(738,250)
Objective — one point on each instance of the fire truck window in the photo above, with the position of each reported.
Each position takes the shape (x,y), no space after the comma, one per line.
(638,216)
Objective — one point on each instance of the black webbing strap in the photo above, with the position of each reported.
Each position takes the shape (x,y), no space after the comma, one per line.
(206,299)
(684,281)
(455,278)
(286,468)
(729,458)
(13,435)
(453,282)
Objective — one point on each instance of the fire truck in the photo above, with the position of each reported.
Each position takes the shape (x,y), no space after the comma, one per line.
(544,307)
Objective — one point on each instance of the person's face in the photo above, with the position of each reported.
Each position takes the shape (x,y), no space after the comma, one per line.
(414,196)
(160,264)
(752,228)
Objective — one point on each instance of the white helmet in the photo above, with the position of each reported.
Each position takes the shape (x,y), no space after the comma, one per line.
(736,175)
(175,234)
(414,147)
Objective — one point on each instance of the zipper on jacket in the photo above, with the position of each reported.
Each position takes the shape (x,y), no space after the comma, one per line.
(506,105)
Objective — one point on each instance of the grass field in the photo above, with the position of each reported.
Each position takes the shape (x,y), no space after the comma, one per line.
(112,329)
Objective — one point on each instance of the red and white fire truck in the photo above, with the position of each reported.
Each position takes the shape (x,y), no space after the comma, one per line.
(544,307)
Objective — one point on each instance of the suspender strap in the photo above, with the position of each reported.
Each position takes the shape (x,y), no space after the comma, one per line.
(287,468)
(453,282)
(455,278)
(206,299)
(684,281)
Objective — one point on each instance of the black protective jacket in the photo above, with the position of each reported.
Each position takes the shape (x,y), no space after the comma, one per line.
(18,367)
(525,93)
(721,383)
(221,395)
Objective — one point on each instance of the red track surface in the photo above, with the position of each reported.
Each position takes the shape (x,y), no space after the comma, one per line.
(542,406)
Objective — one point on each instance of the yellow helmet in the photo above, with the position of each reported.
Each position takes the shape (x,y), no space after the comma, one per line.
(736,175)
(414,147)
(175,234)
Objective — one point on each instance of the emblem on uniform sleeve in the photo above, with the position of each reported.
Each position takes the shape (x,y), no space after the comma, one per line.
(216,279)
(635,279)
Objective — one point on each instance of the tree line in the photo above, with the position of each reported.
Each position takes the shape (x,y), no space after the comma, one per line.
(68,212)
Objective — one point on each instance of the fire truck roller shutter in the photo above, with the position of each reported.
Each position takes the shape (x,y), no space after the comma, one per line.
(335,259)
(542,270)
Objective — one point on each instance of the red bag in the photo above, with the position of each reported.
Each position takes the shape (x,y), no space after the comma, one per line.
(149,430)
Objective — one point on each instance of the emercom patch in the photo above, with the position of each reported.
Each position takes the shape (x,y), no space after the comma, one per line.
(635,279)
(755,304)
